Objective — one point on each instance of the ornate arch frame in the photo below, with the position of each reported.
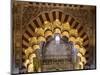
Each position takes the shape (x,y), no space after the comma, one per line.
(29,20)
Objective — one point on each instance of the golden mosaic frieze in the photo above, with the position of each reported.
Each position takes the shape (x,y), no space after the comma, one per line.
(49,29)
(33,40)
(39,31)
(65,33)
(66,26)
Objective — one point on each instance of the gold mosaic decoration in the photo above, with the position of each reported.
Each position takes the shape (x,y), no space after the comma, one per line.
(49,29)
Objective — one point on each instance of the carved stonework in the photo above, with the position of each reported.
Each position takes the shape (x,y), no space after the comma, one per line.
(36,27)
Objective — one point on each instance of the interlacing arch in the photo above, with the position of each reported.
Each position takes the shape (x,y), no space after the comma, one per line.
(48,29)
